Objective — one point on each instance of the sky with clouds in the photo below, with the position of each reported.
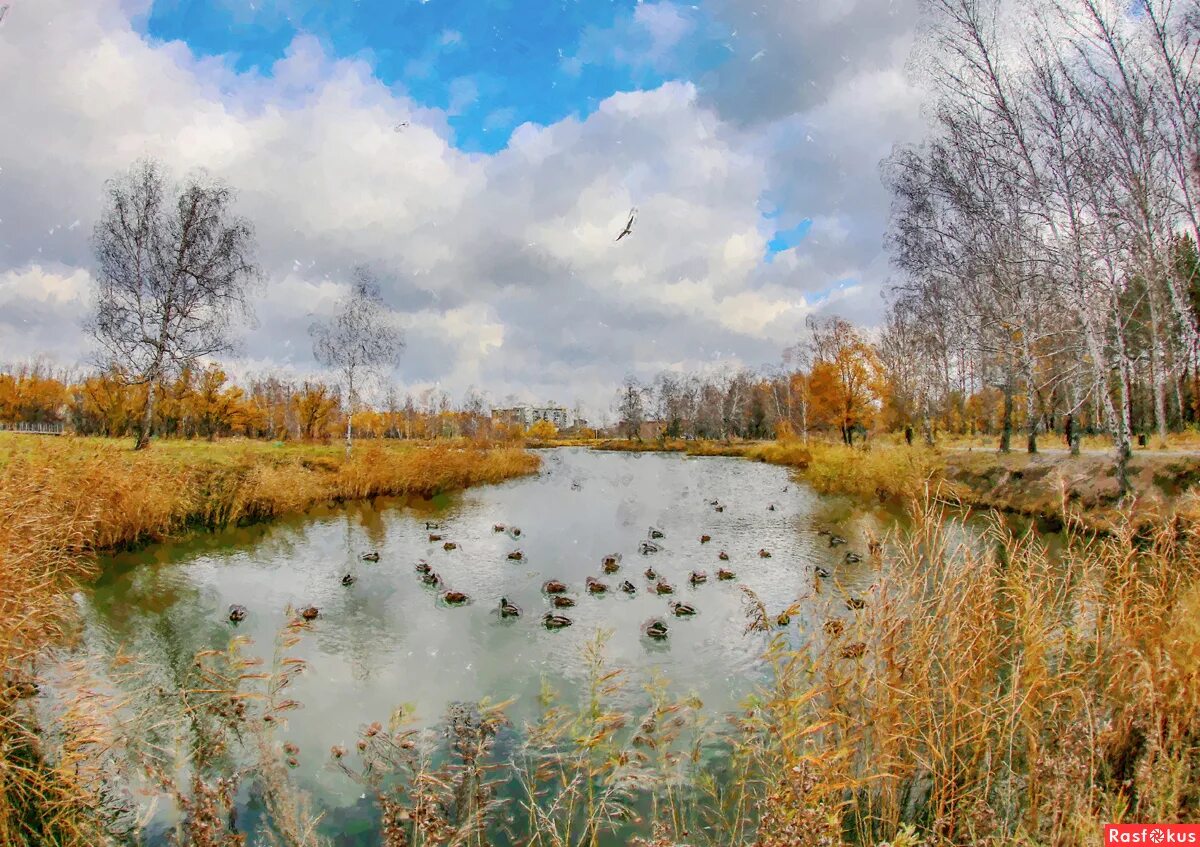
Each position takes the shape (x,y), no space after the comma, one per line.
(480,157)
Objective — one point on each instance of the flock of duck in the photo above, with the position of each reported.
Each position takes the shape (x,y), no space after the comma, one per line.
(557,593)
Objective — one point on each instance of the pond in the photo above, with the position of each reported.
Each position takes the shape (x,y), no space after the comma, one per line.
(388,639)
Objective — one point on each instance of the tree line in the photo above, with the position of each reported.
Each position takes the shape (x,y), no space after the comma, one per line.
(1045,230)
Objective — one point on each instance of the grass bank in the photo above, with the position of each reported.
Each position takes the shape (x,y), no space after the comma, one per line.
(62,499)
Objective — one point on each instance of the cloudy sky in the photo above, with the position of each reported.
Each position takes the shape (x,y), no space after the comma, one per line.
(481,157)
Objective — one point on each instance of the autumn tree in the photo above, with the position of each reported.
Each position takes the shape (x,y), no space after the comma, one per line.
(174,266)
(359,341)
(844,374)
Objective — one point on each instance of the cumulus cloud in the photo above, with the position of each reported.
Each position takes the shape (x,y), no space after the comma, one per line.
(504,265)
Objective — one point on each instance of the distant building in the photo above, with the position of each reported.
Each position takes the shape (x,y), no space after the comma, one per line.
(527,415)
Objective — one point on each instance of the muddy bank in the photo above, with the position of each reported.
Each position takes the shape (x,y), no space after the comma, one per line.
(1044,484)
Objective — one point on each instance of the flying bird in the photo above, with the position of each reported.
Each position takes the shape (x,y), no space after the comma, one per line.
(628,224)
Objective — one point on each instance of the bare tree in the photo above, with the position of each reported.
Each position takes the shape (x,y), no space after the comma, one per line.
(360,341)
(174,269)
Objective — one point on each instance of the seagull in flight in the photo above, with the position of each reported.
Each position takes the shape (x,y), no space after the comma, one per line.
(628,224)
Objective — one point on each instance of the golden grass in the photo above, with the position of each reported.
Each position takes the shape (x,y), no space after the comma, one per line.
(62,499)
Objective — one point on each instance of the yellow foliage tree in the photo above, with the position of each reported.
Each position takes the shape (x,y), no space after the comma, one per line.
(543,430)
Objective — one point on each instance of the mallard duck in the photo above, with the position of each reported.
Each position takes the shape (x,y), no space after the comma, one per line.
(852,558)
(833,627)
(432,525)
(651,574)
(509,610)
(704,539)
(656,533)
(431,578)
(663,587)
(497,527)
(514,531)
(455,598)
(771,507)
(433,536)
(821,572)
(835,540)
(783,619)
(723,556)
(348,580)
(553,586)
(373,556)
(698,578)
(610,564)
(628,587)
(648,547)
(655,628)
(714,502)
(516,555)
(449,545)
(718,508)
(595,586)
(682,610)
(310,613)
(553,621)
(725,574)
(237,613)
(423,566)
(611,559)
(785,488)
(853,651)
(562,601)
(853,603)
(764,554)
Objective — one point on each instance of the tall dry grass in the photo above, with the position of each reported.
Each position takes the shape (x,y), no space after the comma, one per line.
(64,499)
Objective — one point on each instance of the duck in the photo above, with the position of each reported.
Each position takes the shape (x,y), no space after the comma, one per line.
(655,628)
(595,586)
(663,587)
(455,598)
(651,574)
(348,580)
(714,502)
(704,539)
(785,488)
(723,556)
(432,525)
(853,603)
(783,619)
(610,565)
(853,651)
(449,545)
(562,601)
(611,559)
(237,613)
(423,566)
(833,627)
(553,621)
(497,527)
(835,540)
(310,613)
(725,574)
(628,587)
(553,586)
(373,556)
(648,547)
(771,507)
(433,536)
(431,578)
(822,572)
(516,556)
(682,610)
(718,508)
(576,486)
(514,531)
(852,558)
(764,554)
(698,578)
(656,533)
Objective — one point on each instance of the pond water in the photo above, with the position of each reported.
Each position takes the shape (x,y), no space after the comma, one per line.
(387,639)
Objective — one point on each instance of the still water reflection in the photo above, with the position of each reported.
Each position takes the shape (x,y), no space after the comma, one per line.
(387,639)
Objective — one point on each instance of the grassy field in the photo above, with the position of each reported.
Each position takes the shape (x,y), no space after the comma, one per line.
(980,694)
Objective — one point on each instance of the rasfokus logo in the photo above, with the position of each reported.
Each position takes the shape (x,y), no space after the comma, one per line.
(1152,833)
